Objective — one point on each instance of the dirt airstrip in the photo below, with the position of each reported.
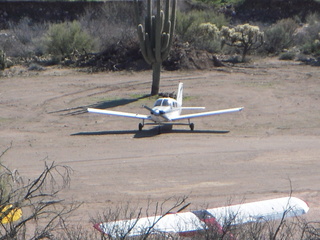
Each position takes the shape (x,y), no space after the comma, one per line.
(263,152)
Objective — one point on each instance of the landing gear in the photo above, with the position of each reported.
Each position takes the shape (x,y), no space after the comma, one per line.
(141,126)
(191,125)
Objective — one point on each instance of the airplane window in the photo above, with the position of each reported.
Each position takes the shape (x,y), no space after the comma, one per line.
(158,102)
(165,102)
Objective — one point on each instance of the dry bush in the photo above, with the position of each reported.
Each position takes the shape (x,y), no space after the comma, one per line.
(112,24)
(23,39)
(43,212)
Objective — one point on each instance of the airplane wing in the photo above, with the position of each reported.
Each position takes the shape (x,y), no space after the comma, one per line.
(193,108)
(203,114)
(189,223)
(117,113)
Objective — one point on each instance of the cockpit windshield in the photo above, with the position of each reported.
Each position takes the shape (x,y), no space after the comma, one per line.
(158,103)
(165,102)
(162,102)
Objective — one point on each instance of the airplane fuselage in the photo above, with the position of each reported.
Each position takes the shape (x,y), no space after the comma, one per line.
(164,110)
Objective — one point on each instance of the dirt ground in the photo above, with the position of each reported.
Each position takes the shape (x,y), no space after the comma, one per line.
(263,152)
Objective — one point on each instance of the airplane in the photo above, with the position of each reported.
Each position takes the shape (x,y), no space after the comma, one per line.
(188,224)
(166,111)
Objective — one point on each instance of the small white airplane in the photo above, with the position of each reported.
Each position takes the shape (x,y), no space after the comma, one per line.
(166,111)
(187,224)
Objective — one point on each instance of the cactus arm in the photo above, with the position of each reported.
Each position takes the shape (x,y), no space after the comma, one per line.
(166,20)
(137,14)
(172,27)
(164,41)
(158,33)
(142,42)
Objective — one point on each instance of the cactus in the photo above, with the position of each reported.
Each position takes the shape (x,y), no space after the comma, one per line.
(156,37)
(247,37)
(3,60)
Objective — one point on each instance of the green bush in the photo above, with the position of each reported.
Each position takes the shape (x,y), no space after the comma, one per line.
(312,47)
(280,35)
(308,38)
(65,39)
(289,55)
(188,28)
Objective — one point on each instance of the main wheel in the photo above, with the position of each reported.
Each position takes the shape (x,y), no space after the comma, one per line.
(191,126)
(140,126)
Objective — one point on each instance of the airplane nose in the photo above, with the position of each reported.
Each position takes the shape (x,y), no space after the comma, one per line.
(157,112)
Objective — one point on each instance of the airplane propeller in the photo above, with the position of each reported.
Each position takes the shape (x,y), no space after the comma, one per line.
(156,112)
(150,109)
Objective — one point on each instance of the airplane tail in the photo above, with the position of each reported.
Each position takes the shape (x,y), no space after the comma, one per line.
(180,94)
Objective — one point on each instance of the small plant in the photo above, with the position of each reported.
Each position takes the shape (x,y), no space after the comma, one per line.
(289,55)
(313,47)
(66,39)
(245,37)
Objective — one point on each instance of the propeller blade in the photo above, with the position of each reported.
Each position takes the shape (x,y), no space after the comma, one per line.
(150,109)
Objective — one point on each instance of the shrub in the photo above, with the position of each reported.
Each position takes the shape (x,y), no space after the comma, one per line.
(23,38)
(187,28)
(65,39)
(111,25)
(308,37)
(208,37)
(280,35)
(289,55)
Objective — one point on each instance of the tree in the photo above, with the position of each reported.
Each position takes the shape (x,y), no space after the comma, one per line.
(244,36)
(156,37)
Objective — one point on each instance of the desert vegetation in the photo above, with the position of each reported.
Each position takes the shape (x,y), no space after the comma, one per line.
(106,39)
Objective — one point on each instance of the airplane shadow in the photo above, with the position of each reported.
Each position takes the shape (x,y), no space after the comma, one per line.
(149,132)
(100,105)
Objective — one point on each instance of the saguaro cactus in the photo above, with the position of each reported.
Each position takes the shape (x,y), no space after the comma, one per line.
(156,37)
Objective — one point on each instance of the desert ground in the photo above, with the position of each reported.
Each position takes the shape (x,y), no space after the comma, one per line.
(268,150)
